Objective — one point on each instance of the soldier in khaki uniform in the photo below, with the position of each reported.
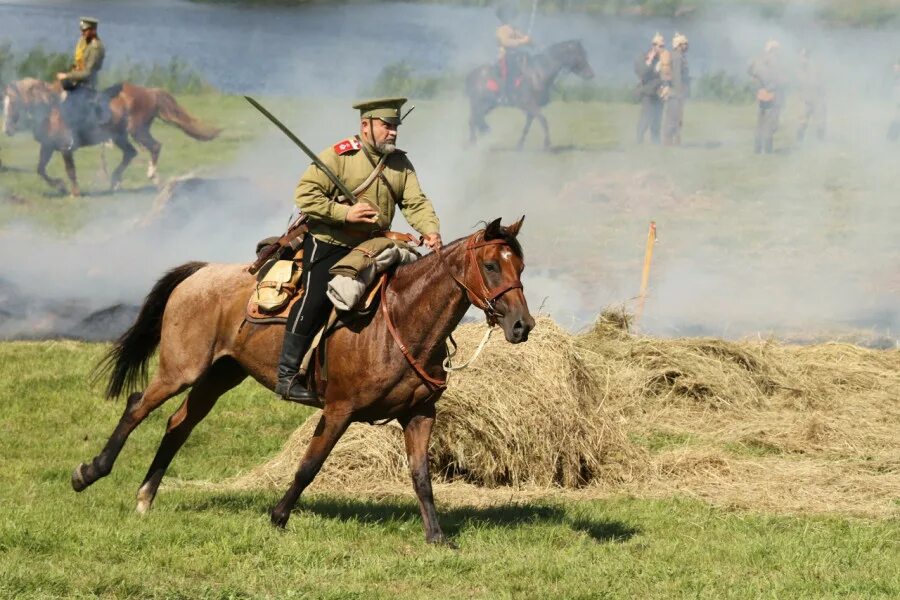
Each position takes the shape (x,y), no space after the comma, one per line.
(768,72)
(678,91)
(510,53)
(336,226)
(893,133)
(81,108)
(811,89)
(648,67)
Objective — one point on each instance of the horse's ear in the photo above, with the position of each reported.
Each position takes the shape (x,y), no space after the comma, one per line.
(513,230)
(493,230)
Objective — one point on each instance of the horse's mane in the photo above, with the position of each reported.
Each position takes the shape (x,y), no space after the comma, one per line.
(500,233)
(35,91)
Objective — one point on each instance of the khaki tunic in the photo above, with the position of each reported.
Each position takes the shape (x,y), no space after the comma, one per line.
(315,196)
(92,61)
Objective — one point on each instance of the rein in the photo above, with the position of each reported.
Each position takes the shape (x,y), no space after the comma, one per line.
(484,298)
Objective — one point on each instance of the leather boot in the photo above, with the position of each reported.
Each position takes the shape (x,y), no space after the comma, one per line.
(290,386)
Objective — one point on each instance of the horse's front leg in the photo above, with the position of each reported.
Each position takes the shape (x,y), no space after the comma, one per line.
(46,153)
(69,160)
(528,120)
(416,433)
(332,425)
(543,121)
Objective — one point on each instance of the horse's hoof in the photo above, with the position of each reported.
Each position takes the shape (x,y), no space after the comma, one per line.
(279,518)
(442,540)
(78,481)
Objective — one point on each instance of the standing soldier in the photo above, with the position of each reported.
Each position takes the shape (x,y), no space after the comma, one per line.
(811,88)
(510,54)
(648,68)
(80,108)
(382,178)
(894,128)
(769,75)
(679,91)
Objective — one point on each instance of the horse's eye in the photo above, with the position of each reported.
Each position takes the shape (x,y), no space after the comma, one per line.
(492,267)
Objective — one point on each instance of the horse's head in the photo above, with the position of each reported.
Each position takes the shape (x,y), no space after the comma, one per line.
(492,276)
(574,58)
(25,102)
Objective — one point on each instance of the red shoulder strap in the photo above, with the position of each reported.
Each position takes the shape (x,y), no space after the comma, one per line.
(346,146)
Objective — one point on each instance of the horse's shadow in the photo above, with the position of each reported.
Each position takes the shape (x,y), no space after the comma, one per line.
(453,520)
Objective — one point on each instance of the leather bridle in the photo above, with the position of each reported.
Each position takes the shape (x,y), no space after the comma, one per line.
(483,297)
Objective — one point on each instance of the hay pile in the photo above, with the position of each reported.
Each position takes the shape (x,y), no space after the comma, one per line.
(756,424)
(746,424)
(524,415)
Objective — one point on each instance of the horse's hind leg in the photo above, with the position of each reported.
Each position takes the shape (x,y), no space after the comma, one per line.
(221,377)
(417,432)
(138,406)
(146,140)
(128,154)
(332,425)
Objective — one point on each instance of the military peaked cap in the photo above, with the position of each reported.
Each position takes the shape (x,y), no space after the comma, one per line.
(87,23)
(386,109)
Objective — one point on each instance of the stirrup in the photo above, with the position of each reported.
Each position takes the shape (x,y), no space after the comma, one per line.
(284,391)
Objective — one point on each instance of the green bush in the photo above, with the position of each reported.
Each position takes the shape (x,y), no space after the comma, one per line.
(40,64)
(399,79)
(176,76)
(722,87)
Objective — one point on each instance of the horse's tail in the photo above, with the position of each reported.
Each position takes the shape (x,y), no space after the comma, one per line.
(127,361)
(171,112)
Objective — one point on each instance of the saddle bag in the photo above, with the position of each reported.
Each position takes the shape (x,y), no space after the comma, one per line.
(276,284)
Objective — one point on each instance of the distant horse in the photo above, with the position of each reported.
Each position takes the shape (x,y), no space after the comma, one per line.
(531,92)
(386,365)
(35,104)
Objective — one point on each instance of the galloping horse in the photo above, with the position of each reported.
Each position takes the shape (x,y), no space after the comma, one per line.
(36,104)
(533,90)
(389,363)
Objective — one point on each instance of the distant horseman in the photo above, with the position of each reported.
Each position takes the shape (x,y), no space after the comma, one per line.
(82,108)
(510,53)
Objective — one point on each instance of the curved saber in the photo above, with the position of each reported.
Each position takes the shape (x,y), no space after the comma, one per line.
(531,19)
(312,155)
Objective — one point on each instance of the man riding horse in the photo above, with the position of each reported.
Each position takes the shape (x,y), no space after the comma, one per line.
(511,54)
(82,108)
(382,178)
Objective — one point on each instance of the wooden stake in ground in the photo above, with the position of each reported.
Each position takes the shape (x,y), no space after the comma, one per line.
(645,274)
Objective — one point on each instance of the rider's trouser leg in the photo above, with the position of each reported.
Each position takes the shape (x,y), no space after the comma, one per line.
(307,315)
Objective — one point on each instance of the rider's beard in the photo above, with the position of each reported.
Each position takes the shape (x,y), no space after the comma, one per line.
(386,147)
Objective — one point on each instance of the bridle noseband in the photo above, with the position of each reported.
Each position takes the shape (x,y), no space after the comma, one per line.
(483,297)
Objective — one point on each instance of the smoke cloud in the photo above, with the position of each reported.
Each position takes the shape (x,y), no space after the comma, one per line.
(797,244)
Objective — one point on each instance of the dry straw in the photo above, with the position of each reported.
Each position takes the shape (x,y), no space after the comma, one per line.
(753,424)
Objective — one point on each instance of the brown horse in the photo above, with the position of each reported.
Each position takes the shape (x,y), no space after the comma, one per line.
(533,90)
(195,314)
(35,104)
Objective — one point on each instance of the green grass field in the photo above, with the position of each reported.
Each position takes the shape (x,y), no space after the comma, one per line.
(804,205)
(200,541)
